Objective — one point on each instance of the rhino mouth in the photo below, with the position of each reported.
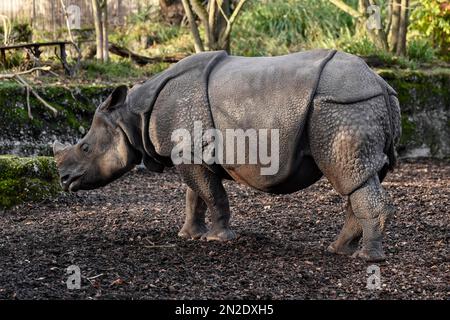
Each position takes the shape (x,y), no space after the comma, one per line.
(72,183)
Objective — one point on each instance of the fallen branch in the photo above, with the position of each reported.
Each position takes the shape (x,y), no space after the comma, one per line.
(141,60)
(13,75)
(22,82)
(45,103)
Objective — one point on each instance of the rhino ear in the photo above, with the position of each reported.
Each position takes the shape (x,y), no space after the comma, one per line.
(116,99)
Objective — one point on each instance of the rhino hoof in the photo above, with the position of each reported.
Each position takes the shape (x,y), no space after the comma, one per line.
(193,231)
(346,250)
(369,255)
(219,235)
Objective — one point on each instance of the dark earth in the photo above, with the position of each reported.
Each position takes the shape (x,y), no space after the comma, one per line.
(124,239)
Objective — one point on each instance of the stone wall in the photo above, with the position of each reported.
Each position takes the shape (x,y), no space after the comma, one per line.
(425,103)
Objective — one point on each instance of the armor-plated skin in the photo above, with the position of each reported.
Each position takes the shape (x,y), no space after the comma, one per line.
(335,117)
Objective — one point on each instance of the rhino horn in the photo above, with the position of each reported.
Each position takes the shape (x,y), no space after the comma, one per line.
(58,147)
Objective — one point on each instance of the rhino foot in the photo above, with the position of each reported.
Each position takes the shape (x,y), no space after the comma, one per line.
(219,235)
(193,231)
(343,249)
(369,255)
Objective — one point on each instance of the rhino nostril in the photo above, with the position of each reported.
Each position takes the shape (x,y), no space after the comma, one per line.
(65,178)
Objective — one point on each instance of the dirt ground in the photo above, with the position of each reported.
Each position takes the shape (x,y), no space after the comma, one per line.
(124,240)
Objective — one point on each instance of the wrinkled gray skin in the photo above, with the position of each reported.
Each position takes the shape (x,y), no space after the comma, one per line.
(336,118)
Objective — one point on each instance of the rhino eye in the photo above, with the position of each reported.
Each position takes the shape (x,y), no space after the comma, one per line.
(85,147)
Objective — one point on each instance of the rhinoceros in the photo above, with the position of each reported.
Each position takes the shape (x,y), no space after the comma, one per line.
(335,117)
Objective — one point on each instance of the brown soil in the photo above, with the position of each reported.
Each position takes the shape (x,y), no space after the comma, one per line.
(124,239)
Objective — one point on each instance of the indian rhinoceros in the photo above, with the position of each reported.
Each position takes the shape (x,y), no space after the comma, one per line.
(334,115)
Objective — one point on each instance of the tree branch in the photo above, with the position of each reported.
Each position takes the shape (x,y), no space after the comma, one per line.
(231,20)
(198,44)
(199,10)
(45,103)
(237,10)
(212,14)
(13,75)
(203,15)
(141,60)
(346,8)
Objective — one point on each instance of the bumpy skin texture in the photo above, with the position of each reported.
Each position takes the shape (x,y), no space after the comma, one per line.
(348,141)
(336,118)
(269,93)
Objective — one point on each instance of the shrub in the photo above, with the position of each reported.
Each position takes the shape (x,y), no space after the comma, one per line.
(432,19)
(420,50)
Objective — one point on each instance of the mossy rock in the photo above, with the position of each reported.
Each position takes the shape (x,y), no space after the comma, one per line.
(27,179)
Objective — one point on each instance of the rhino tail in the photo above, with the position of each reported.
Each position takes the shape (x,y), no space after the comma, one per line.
(396,128)
(393,110)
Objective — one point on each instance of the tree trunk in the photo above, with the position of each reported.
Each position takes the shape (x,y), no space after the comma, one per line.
(217,19)
(218,24)
(171,11)
(105,45)
(98,29)
(401,44)
(198,44)
(394,32)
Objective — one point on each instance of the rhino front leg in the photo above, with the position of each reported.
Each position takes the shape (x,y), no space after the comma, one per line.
(348,240)
(372,207)
(194,225)
(209,188)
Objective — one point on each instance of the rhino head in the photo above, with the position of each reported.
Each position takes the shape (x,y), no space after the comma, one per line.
(104,154)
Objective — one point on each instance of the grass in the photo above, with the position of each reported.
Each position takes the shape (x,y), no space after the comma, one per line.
(119,69)
(277,27)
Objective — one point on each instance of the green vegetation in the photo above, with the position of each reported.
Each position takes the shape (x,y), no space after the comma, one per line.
(277,27)
(431,19)
(27,179)
(421,50)
(117,70)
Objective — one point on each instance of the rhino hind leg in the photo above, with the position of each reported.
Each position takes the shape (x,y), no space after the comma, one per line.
(372,207)
(207,186)
(194,225)
(348,143)
(348,240)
